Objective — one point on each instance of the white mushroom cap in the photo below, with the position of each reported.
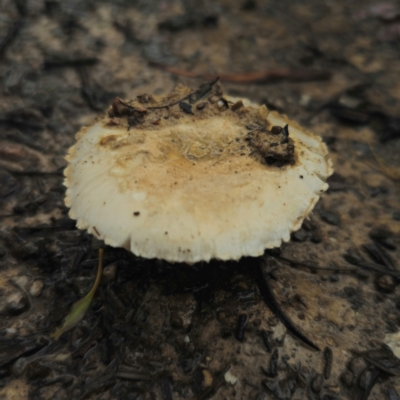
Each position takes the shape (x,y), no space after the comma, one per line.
(191,188)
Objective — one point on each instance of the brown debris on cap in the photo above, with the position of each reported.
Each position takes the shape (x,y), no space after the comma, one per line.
(198,184)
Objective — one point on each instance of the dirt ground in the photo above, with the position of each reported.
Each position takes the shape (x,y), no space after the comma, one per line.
(168,331)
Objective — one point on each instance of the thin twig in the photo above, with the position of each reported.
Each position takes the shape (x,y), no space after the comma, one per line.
(270,300)
(367,266)
(303,264)
(213,82)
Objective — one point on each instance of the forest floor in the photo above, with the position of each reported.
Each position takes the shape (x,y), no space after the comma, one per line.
(167,331)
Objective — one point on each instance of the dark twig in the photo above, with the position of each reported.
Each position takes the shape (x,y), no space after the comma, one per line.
(364,265)
(60,61)
(241,328)
(210,84)
(383,359)
(271,302)
(328,356)
(306,265)
(21,123)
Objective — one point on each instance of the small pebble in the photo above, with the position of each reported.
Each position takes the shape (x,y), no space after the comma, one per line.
(62,358)
(230,378)
(36,288)
(21,281)
(386,283)
(333,388)
(16,303)
(10,332)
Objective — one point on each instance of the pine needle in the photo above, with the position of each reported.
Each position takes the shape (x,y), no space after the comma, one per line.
(78,309)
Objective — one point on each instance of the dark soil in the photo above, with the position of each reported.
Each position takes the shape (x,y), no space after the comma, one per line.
(162,331)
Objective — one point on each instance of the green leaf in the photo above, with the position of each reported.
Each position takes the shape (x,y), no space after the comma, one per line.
(78,310)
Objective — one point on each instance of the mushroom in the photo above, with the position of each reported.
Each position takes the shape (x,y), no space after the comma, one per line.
(193,176)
